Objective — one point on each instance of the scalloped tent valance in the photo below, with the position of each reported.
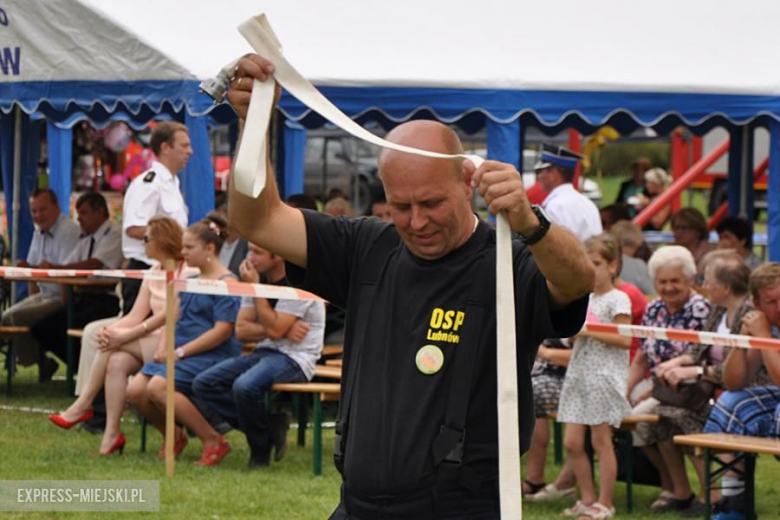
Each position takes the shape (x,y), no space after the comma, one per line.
(618,62)
(626,63)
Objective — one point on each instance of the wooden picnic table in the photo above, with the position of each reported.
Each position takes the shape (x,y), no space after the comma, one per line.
(743,449)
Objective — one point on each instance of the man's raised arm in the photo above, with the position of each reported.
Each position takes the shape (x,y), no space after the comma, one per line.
(265,221)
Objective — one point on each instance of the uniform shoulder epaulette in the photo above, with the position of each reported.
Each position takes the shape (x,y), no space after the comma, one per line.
(149,177)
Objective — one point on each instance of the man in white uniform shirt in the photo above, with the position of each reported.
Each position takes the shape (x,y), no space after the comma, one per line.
(54,238)
(98,247)
(565,205)
(154,192)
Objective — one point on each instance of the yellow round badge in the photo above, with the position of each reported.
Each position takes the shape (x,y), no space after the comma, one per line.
(429,359)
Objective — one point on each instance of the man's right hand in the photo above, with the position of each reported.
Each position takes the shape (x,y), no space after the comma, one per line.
(248,273)
(249,67)
(757,324)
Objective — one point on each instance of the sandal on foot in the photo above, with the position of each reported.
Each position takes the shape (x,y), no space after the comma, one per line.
(597,511)
(533,488)
(214,455)
(576,510)
(676,504)
(178,445)
(662,500)
(550,493)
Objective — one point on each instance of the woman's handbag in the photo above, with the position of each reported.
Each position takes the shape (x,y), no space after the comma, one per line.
(691,395)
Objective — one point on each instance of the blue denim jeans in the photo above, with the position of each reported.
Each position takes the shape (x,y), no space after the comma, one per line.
(236,388)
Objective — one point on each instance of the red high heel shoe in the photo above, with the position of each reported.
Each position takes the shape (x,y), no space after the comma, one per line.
(63,423)
(119,444)
(213,456)
(178,445)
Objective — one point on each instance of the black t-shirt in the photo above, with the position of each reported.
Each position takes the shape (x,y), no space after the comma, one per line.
(396,410)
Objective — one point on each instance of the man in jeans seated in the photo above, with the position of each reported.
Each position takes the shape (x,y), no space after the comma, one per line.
(290,335)
(752,404)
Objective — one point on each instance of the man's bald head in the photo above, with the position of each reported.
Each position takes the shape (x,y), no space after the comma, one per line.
(430,198)
(426,135)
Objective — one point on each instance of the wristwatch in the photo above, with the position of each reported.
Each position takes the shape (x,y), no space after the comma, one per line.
(541,231)
(179,353)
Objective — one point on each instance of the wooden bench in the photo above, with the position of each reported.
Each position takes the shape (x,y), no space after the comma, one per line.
(327,371)
(76,333)
(332,350)
(338,362)
(7,334)
(630,423)
(320,392)
(744,449)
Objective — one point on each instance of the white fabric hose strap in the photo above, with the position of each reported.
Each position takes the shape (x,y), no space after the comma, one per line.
(250,177)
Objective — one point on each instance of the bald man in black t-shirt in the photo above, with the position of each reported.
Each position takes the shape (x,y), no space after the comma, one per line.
(420,295)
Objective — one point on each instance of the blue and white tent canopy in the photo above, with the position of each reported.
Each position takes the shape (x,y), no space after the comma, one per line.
(63,61)
(61,58)
(698,62)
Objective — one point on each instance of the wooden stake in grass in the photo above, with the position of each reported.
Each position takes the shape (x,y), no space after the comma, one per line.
(170,331)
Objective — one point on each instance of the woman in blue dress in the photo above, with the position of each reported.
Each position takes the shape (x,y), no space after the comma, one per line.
(204,337)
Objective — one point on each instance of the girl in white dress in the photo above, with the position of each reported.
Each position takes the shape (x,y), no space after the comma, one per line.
(594,391)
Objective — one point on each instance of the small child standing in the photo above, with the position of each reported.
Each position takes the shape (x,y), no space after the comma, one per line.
(594,391)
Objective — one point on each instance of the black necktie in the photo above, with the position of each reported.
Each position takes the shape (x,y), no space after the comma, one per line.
(91,247)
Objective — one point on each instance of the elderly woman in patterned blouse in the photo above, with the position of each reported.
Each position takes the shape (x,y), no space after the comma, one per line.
(726,282)
(678,306)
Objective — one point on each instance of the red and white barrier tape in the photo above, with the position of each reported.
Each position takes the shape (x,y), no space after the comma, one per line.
(254,290)
(691,336)
(191,285)
(27,272)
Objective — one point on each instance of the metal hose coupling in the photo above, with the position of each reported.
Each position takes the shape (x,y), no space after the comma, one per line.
(216,87)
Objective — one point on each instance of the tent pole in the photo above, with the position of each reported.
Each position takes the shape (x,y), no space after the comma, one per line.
(745,176)
(17,191)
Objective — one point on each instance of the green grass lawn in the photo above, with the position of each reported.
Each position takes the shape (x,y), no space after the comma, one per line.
(33,449)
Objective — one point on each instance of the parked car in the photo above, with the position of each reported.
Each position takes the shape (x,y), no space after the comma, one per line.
(335,160)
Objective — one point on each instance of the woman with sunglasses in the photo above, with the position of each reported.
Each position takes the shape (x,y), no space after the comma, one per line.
(122,346)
